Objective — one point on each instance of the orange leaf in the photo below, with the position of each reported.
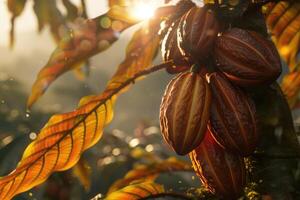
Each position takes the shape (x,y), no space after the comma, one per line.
(150,172)
(72,10)
(47,13)
(291,87)
(140,52)
(58,146)
(85,40)
(136,191)
(61,142)
(112,3)
(283,20)
(82,171)
(144,44)
(16,7)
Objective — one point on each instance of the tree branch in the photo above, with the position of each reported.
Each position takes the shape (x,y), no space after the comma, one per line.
(276,156)
(167,194)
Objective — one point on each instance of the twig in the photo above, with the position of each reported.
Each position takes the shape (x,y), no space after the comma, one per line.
(84,9)
(167,194)
(276,156)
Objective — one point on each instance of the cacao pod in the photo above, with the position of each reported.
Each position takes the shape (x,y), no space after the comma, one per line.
(233,120)
(247,58)
(170,51)
(222,172)
(184,112)
(197,32)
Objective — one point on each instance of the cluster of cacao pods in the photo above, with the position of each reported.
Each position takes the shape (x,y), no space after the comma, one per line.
(206,111)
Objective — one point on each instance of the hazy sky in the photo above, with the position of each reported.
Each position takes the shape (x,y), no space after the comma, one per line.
(27,21)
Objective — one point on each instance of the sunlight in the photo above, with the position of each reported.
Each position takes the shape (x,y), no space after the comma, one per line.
(143,10)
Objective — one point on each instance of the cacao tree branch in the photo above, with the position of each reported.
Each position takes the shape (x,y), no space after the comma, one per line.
(84,9)
(287,120)
(168,194)
(276,156)
(142,73)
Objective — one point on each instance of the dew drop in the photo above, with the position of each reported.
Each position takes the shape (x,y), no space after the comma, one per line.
(32,135)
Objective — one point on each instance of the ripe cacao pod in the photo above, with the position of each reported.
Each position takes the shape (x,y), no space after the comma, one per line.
(222,172)
(233,120)
(170,51)
(247,58)
(197,32)
(184,111)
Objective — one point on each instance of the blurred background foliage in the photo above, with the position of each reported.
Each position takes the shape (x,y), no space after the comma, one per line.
(133,138)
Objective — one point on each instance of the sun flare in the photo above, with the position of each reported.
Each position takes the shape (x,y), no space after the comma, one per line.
(143,10)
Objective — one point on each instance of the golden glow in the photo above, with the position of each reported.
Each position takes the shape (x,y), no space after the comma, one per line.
(143,10)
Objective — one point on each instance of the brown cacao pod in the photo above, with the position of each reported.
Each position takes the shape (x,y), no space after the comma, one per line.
(233,120)
(247,58)
(197,32)
(170,51)
(184,112)
(222,172)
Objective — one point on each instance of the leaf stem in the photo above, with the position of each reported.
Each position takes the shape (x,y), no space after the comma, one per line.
(276,156)
(167,194)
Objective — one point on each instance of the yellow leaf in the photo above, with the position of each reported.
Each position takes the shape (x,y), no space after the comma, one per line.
(47,13)
(62,140)
(283,21)
(140,52)
(15,7)
(58,146)
(291,87)
(82,70)
(112,3)
(82,171)
(84,40)
(136,191)
(60,143)
(150,172)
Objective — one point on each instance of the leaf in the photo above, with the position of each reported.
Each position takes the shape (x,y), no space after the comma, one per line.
(16,8)
(136,191)
(291,87)
(83,9)
(61,142)
(63,139)
(47,13)
(112,3)
(150,172)
(58,146)
(72,11)
(283,20)
(82,71)
(140,52)
(82,171)
(85,40)
(144,44)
